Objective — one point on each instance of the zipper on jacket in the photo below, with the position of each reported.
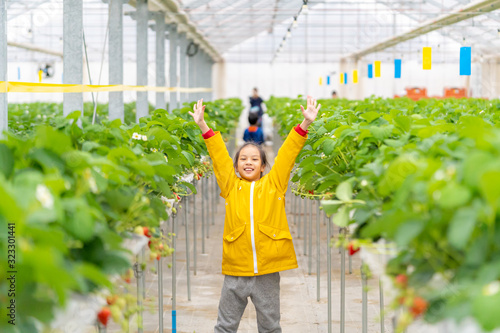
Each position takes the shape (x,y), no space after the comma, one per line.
(252,233)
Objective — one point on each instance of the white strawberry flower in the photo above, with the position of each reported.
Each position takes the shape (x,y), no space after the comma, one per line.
(163,198)
(491,289)
(364,183)
(43,195)
(136,136)
(154,150)
(333,136)
(144,138)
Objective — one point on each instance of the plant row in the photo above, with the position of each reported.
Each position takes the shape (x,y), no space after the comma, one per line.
(71,192)
(423,176)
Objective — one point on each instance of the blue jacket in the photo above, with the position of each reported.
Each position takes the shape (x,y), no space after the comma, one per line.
(255,134)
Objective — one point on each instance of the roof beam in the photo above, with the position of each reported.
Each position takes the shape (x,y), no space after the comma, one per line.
(34,48)
(467,12)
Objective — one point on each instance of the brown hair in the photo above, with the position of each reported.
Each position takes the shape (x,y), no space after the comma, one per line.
(263,156)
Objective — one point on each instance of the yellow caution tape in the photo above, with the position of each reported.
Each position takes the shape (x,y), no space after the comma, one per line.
(29,87)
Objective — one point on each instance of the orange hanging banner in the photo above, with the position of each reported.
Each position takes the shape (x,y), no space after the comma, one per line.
(427,58)
(377,68)
(355,76)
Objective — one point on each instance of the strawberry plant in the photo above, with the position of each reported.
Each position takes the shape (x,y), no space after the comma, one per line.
(421,175)
(75,192)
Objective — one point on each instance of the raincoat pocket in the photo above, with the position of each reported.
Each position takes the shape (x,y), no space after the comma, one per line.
(277,245)
(231,237)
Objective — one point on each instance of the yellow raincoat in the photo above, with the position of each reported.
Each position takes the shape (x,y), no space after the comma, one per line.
(257,240)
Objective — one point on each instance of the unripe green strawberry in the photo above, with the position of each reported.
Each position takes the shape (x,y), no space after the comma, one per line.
(174,210)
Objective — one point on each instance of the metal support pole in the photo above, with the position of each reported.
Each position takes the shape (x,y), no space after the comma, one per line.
(382,324)
(203,188)
(364,311)
(350,264)
(183,73)
(138,276)
(160,290)
(195,239)
(208,206)
(172,33)
(142,105)
(192,76)
(213,198)
(4,111)
(73,53)
(174,276)
(329,273)
(186,222)
(160,58)
(310,236)
(299,205)
(115,55)
(318,247)
(305,226)
(143,254)
(342,287)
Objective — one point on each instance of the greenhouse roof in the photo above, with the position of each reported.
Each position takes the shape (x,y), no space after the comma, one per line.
(252,31)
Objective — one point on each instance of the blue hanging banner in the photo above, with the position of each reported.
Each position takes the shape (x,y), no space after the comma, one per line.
(370,71)
(465,60)
(19,73)
(328,80)
(397,68)
(345,78)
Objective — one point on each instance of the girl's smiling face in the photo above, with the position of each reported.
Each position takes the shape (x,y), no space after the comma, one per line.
(250,164)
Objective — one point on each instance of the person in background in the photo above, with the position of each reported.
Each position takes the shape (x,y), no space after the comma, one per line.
(254,133)
(256,102)
(334,94)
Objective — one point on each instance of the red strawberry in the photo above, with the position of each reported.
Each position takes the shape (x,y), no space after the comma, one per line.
(353,248)
(419,306)
(311,192)
(401,281)
(103,315)
(158,257)
(149,244)
(146,231)
(178,197)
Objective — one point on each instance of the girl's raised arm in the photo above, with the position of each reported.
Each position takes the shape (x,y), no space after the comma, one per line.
(223,164)
(287,154)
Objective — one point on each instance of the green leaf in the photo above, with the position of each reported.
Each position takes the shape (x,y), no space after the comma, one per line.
(189,156)
(454,195)
(330,206)
(79,222)
(342,217)
(6,160)
(344,191)
(370,116)
(408,231)
(461,227)
(485,310)
(328,146)
(490,187)
(403,122)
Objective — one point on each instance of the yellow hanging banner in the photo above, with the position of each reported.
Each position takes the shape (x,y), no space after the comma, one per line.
(377,68)
(427,58)
(320,81)
(30,87)
(355,76)
(40,73)
(341,76)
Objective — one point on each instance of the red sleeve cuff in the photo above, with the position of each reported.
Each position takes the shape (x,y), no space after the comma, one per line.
(299,130)
(209,134)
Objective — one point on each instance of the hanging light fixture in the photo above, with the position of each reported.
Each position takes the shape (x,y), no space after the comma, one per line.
(295,23)
(289,33)
(304,7)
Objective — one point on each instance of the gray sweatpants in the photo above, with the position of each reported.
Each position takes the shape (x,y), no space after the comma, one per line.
(263,290)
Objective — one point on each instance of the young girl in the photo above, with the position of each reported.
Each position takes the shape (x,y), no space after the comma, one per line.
(257,243)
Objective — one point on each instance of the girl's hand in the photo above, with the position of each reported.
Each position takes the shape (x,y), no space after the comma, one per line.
(199,112)
(199,116)
(310,113)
